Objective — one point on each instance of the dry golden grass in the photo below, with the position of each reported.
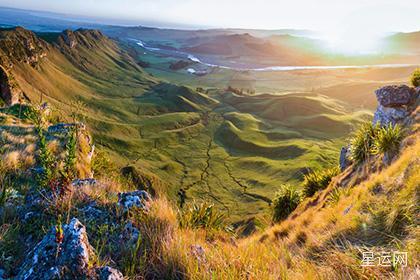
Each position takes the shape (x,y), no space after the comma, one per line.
(320,240)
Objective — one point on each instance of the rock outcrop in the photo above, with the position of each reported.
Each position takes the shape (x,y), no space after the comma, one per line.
(88,38)
(9,89)
(345,160)
(396,103)
(137,199)
(64,254)
(21,45)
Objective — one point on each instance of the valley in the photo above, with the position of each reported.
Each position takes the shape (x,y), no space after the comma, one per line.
(178,151)
(234,147)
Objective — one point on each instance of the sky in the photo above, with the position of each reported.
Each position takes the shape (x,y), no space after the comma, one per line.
(322,15)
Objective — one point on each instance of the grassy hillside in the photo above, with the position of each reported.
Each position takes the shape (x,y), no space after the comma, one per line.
(232,154)
(234,150)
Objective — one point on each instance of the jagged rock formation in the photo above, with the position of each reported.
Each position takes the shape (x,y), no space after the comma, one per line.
(86,37)
(21,45)
(396,103)
(64,254)
(9,89)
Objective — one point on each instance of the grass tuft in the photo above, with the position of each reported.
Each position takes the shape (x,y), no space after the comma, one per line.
(387,140)
(285,201)
(201,215)
(318,180)
(362,141)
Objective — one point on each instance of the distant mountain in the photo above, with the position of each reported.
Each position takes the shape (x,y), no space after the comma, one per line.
(408,43)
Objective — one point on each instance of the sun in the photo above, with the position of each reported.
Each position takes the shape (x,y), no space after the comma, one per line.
(352,42)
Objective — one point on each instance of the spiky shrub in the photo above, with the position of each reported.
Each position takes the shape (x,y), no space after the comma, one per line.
(285,201)
(318,180)
(362,141)
(45,157)
(415,78)
(387,140)
(69,170)
(201,215)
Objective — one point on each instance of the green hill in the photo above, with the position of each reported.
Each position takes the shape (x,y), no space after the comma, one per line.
(234,150)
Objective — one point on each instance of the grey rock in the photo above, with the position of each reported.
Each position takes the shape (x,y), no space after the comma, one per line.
(109,273)
(65,127)
(345,160)
(130,234)
(92,212)
(395,95)
(84,182)
(134,199)
(384,116)
(55,258)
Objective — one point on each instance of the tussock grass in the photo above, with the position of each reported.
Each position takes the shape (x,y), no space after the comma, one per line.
(201,215)
(362,141)
(387,140)
(285,201)
(317,180)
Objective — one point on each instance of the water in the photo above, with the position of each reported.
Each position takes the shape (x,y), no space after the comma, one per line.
(269,68)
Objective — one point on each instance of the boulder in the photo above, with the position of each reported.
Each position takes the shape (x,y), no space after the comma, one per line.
(134,199)
(395,95)
(345,160)
(64,255)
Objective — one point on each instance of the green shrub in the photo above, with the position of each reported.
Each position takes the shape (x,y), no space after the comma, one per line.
(415,78)
(387,140)
(318,180)
(46,161)
(362,141)
(69,169)
(45,157)
(285,201)
(201,215)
